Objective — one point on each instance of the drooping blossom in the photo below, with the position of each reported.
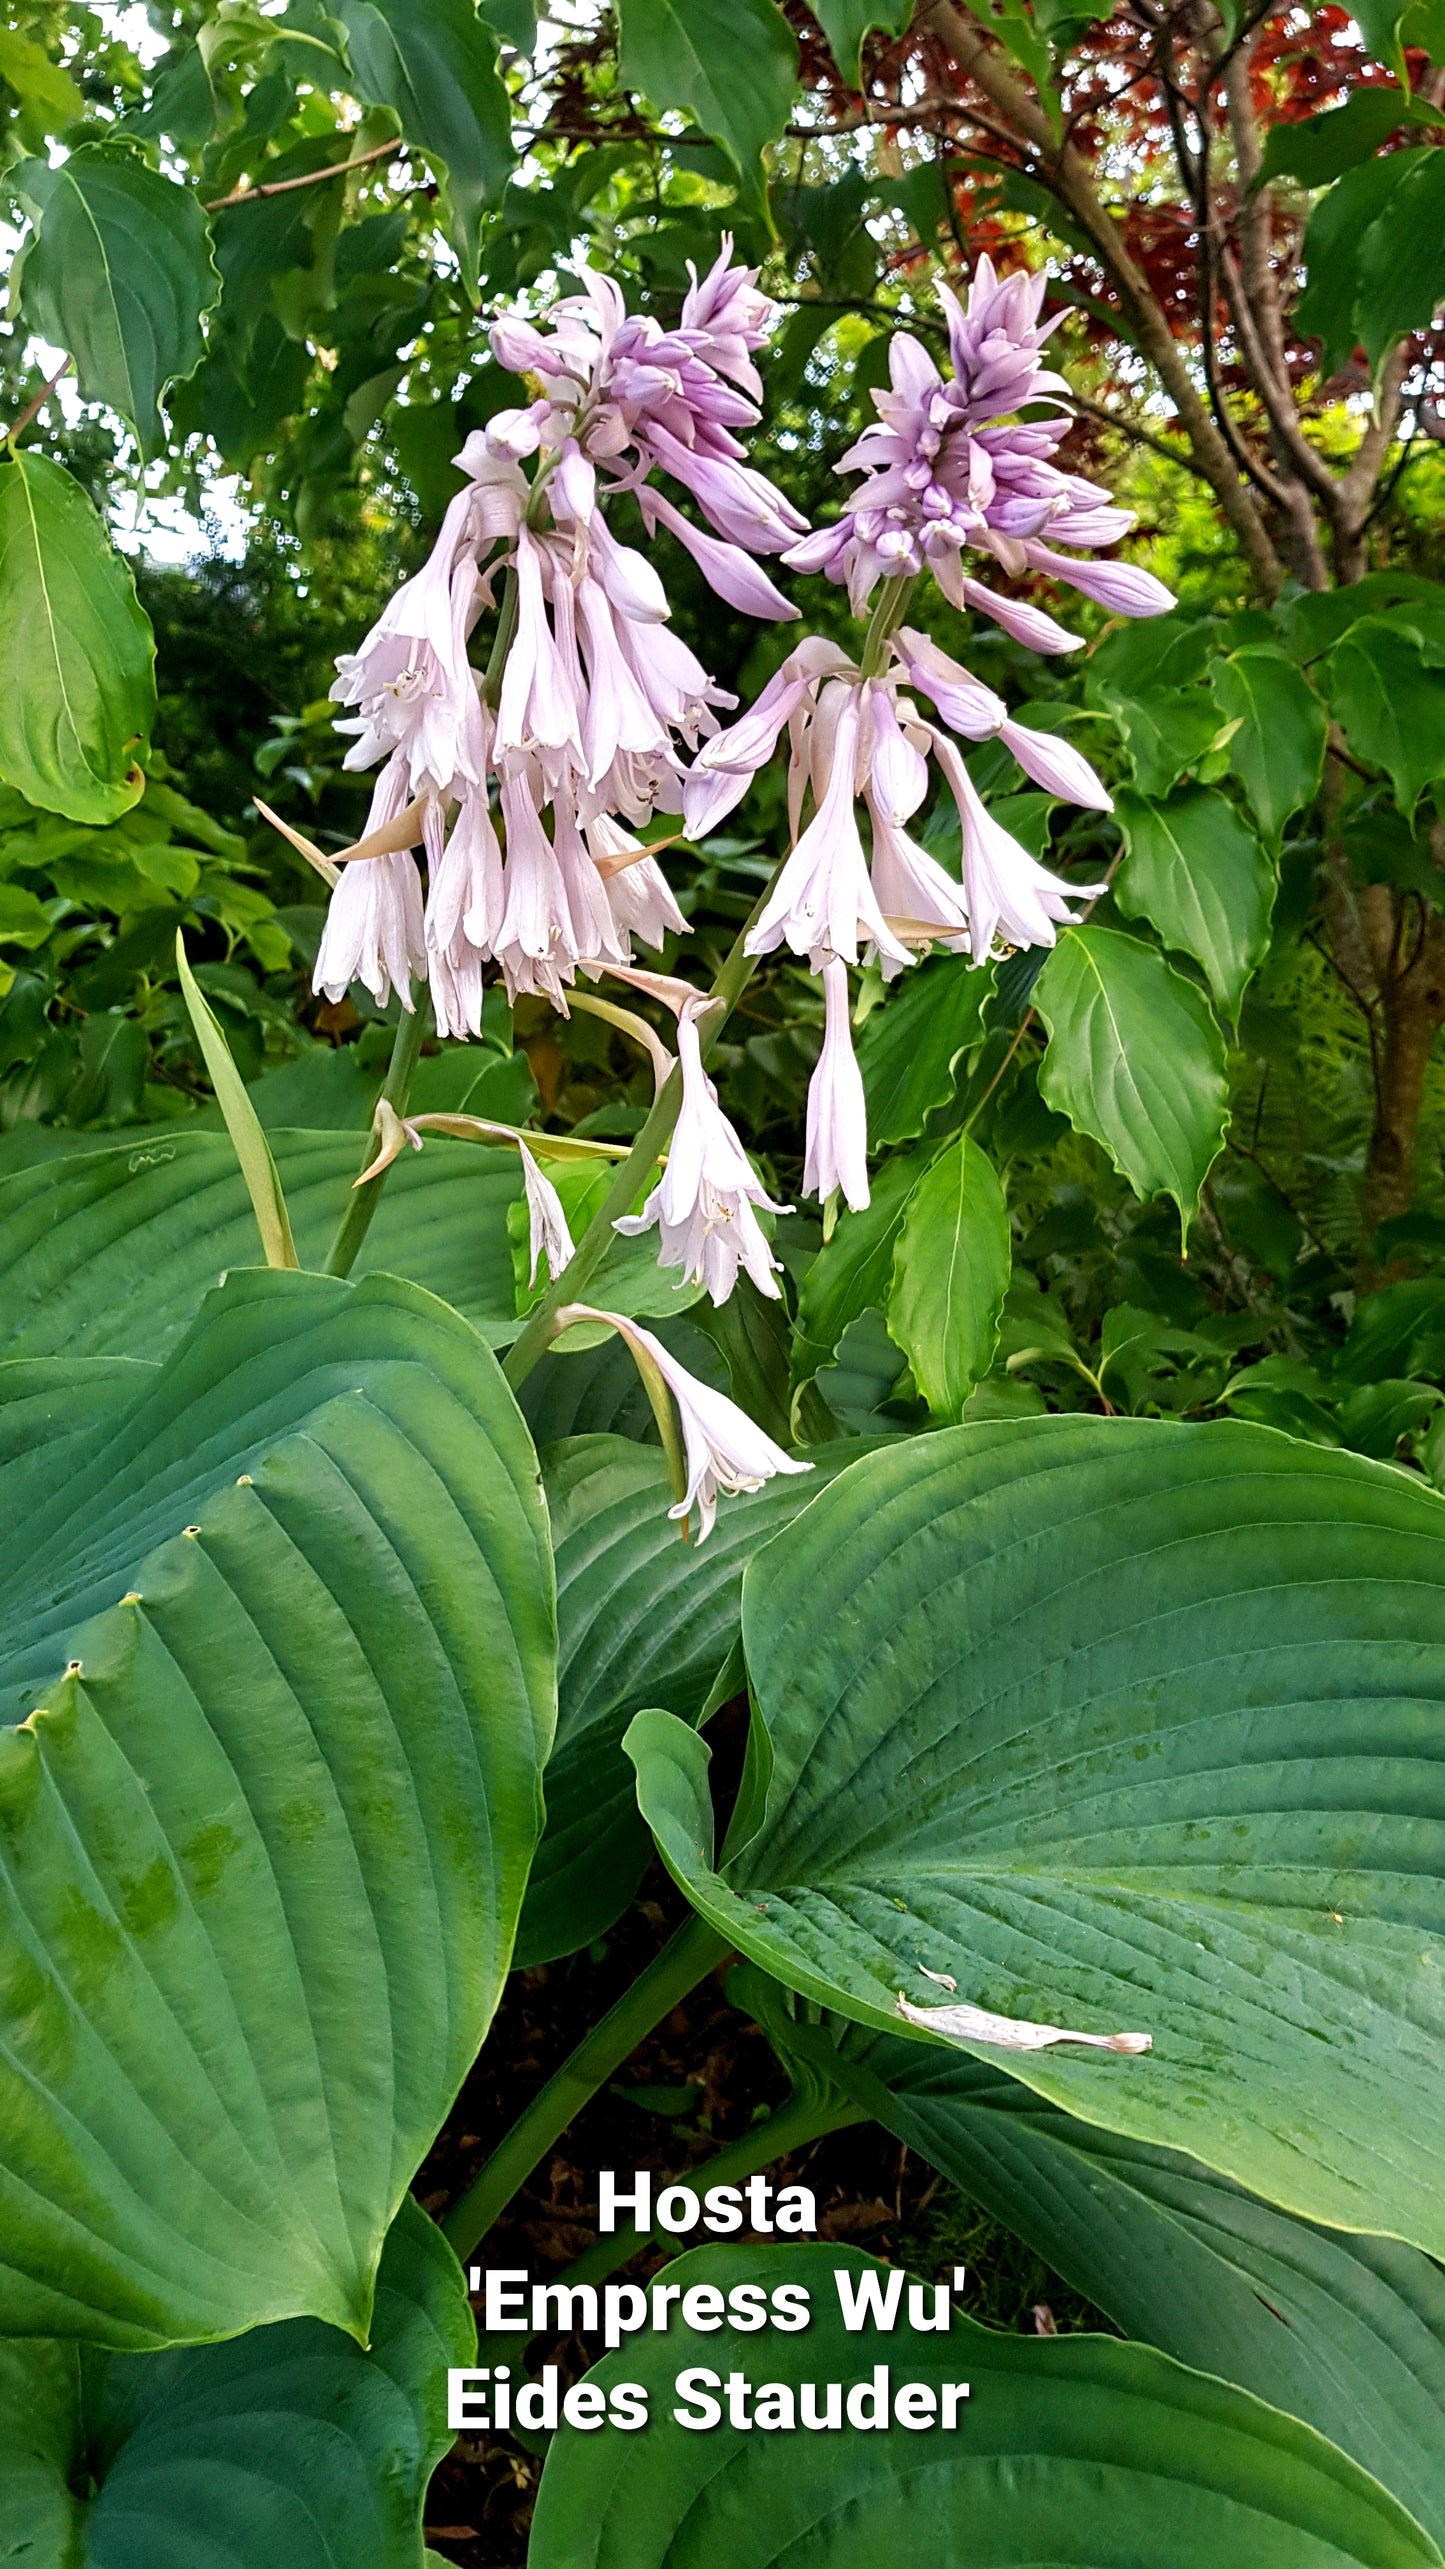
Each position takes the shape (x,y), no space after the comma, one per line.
(725,1449)
(374,930)
(837,1135)
(524,812)
(704,1204)
(548,1234)
(948,467)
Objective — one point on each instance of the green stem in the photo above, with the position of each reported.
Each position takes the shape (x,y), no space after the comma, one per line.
(732,980)
(501,641)
(396,1088)
(803,2119)
(886,618)
(679,1967)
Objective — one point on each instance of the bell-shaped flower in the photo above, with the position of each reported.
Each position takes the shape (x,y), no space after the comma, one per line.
(637,891)
(837,1137)
(539,705)
(726,1451)
(375,932)
(535,942)
(823,901)
(961,2023)
(411,677)
(1004,889)
(549,1236)
(726,764)
(704,1203)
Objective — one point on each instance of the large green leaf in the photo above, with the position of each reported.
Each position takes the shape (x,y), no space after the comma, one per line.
(1391,704)
(434,62)
(1320,148)
(1069,2450)
(1195,870)
(1344,222)
(950,1274)
(845,23)
(109,1252)
(278,1659)
(1278,751)
(289,2445)
(642,1618)
(119,273)
(733,64)
(77,658)
(1344,2332)
(1124,1726)
(1135,1059)
(910,1043)
(1402,258)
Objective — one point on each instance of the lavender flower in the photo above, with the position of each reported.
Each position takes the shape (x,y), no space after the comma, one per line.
(626,393)
(944,473)
(726,1450)
(704,1203)
(837,1142)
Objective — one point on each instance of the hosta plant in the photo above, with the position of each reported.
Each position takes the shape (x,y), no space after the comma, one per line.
(428,1508)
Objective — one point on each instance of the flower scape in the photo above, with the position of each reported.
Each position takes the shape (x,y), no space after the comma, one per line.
(525,784)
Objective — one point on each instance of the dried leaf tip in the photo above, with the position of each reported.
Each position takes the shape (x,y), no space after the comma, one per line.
(964,2024)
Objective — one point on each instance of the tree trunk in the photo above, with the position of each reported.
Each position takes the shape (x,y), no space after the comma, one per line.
(1411,1013)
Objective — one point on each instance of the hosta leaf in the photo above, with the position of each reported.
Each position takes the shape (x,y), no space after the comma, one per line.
(1135,1059)
(642,1618)
(733,64)
(1391,704)
(1278,751)
(909,1045)
(1076,2450)
(434,62)
(77,658)
(1125,1726)
(1344,2332)
(278,1664)
(1196,871)
(289,2444)
(109,1252)
(119,273)
(950,1274)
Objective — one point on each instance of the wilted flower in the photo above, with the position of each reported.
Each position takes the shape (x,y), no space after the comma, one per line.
(949,467)
(704,1203)
(549,1236)
(725,1449)
(837,1148)
(964,2024)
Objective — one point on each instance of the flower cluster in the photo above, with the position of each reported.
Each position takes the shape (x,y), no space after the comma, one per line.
(526,789)
(948,467)
(595,698)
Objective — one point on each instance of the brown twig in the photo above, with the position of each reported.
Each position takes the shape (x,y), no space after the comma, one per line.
(308,178)
(33,408)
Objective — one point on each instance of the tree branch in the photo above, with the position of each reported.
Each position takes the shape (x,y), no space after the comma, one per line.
(1065,173)
(309,178)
